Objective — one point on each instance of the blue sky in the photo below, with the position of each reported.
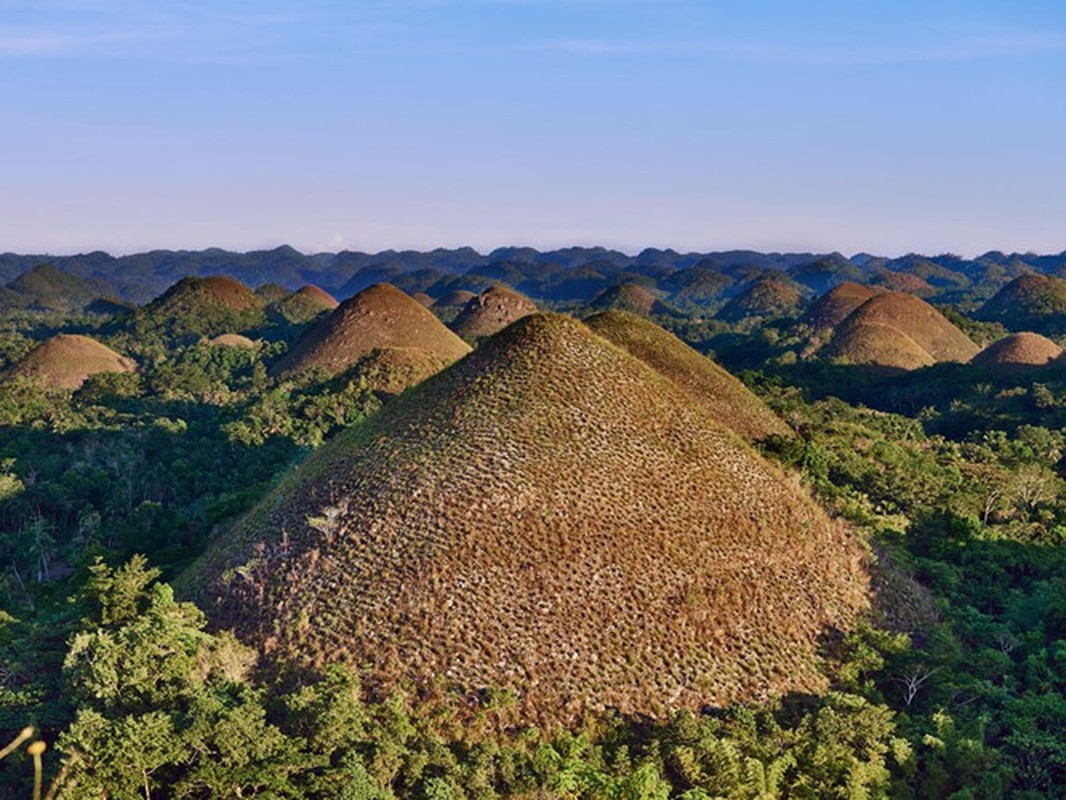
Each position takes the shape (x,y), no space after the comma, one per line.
(881,126)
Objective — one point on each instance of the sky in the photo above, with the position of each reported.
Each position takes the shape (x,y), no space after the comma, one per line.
(887,126)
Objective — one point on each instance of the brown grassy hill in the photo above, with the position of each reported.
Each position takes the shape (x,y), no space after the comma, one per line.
(197,307)
(725,399)
(65,361)
(492,311)
(424,299)
(551,516)
(900,331)
(765,298)
(1030,302)
(1019,350)
(834,306)
(305,304)
(629,297)
(229,340)
(378,318)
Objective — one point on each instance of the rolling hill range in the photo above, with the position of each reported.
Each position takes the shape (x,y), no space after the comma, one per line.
(65,362)
(898,331)
(378,318)
(552,516)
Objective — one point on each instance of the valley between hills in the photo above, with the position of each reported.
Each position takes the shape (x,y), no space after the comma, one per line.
(533,524)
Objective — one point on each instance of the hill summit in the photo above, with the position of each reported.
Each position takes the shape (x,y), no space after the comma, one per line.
(380,317)
(550,516)
(66,360)
(629,297)
(1019,350)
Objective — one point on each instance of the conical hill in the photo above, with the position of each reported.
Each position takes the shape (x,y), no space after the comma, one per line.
(492,311)
(380,317)
(1029,302)
(549,516)
(200,307)
(305,304)
(834,306)
(899,331)
(65,361)
(629,297)
(1019,350)
(725,399)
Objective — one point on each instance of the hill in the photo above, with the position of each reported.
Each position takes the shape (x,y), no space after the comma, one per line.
(229,340)
(195,308)
(1019,350)
(378,318)
(834,306)
(549,516)
(304,305)
(629,297)
(767,298)
(899,331)
(65,361)
(45,287)
(492,311)
(725,399)
(1030,302)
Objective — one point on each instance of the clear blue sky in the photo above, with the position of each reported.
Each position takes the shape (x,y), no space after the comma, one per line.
(888,126)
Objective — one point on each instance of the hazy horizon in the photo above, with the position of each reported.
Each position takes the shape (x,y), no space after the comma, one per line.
(919,127)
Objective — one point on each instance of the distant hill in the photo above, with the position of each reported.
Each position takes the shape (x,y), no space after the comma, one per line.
(834,306)
(629,297)
(899,331)
(492,311)
(307,303)
(1019,350)
(229,340)
(725,399)
(45,287)
(65,362)
(378,318)
(1031,302)
(549,516)
(195,308)
(767,298)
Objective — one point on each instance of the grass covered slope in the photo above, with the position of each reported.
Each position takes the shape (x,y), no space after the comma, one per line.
(834,306)
(1019,350)
(65,361)
(380,317)
(198,307)
(725,399)
(304,305)
(899,331)
(491,312)
(551,516)
(768,298)
(1029,302)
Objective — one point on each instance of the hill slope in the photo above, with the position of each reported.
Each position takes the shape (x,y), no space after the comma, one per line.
(766,298)
(378,318)
(1030,302)
(834,306)
(492,311)
(304,305)
(629,297)
(65,361)
(725,399)
(551,516)
(200,307)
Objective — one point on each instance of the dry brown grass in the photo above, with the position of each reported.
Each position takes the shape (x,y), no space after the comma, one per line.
(228,292)
(834,306)
(460,297)
(904,282)
(378,318)
(491,312)
(1019,350)
(725,399)
(899,331)
(551,516)
(423,298)
(765,298)
(65,361)
(305,304)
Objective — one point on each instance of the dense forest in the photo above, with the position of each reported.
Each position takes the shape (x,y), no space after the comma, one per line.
(948,470)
